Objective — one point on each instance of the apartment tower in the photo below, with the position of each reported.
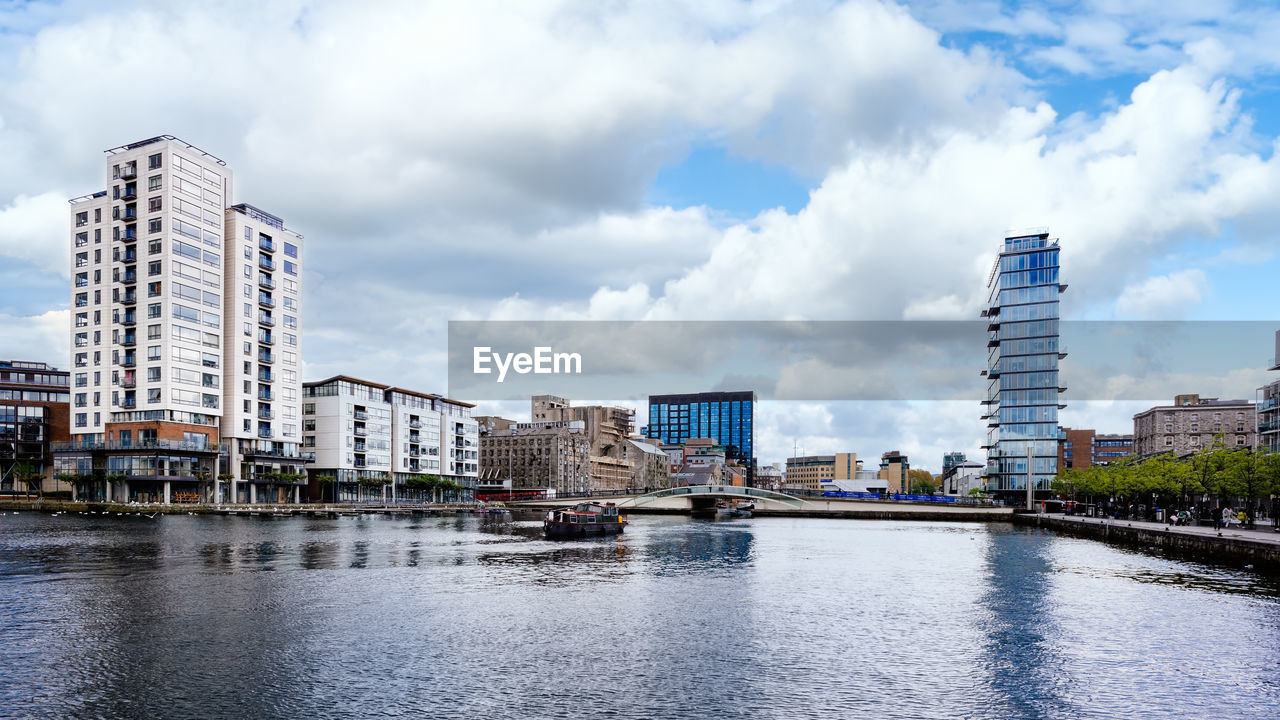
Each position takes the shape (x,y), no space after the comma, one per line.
(1022,366)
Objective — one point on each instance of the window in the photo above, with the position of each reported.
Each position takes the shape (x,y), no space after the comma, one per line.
(153,289)
(1168,442)
(291,322)
(82,239)
(82,279)
(97,215)
(182,312)
(153,395)
(153,161)
(155,247)
(82,299)
(153,352)
(291,250)
(153,374)
(155,204)
(1168,427)
(153,310)
(1239,439)
(155,225)
(248,252)
(290,268)
(82,419)
(82,379)
(155,182)
(82,218)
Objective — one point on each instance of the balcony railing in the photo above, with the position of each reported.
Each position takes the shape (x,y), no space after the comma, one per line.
(129,320)
(129,278)
(266,339)
(128,382)
(266,414)
(127,235)
(361,415)
(415,424)
(266,301)
(128,256)
(266,282)
(266,320)
(158,444)
(265,263)
(266,377)
(359,447)
(266,357)
(130,192)
(266,244)
(358,463)
(128,361)
(266,395)
(264,432)
(128,172)
(361,432)
(128,403)
(129,341)
(129,214)
(129,299)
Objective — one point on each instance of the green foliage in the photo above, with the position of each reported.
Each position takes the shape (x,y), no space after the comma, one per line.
(924,487)
(1215,470)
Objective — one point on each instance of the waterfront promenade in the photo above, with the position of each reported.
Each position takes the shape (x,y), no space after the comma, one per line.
(1259,548)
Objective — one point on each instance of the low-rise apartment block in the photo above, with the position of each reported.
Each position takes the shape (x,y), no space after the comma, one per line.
(34,413)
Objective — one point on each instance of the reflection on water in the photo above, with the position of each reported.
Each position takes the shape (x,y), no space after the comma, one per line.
(465,616)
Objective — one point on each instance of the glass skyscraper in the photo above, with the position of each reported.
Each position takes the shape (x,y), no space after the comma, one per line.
(725,417)
(1022,365)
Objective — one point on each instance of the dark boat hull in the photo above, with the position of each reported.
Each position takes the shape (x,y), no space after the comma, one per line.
(554,529)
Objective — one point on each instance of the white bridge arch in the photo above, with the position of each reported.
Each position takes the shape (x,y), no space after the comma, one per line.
(715,491)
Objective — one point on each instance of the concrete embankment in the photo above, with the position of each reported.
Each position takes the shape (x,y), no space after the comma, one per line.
(105,508)
(1243,548)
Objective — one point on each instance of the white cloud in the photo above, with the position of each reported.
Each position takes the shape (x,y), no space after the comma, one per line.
(38,338)
(34,229)
(1163,297)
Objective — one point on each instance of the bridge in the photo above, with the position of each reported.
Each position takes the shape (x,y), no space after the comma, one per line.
(702,496)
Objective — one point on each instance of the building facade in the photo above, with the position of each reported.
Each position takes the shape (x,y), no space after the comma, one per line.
(1023,387)
(725,417)
(1269,407)
(1082,448)
(376,443)
(550,458)
(1191,423)
(810,472)
(262,339)
(893,471)
(35,413)
(147,295)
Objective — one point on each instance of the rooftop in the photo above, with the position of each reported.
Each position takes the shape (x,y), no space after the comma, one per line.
(159,139)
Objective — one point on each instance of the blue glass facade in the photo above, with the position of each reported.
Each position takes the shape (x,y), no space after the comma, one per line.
(725,417)
(1023,387)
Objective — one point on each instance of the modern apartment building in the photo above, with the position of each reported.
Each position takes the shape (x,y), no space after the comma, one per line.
(35,412)
(725,417)
(893,471)
(262,338)
(1269,407)
(377,443)
(1022,400)
(1191,423)
(167,279)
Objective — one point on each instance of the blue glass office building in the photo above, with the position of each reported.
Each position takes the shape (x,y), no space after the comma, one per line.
(1023,387)
(725,417)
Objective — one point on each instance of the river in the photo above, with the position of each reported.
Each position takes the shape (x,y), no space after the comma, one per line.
(464,617)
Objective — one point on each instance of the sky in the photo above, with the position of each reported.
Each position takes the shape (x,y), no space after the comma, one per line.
(676,161)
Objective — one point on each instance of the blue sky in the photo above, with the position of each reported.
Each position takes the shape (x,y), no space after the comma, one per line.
(718,160)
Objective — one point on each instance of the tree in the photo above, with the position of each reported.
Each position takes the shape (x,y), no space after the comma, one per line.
(1205,465)
(1246,473)
(26,473)
(921,482)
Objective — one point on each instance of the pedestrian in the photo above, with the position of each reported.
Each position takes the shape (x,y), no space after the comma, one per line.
(1243,518)
(1227,517)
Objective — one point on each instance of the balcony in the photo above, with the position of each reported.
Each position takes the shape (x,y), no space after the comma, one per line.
(266,338)
(267,320)
(129,341)
(360,432)
(129,320)
(129,214)
(127,235)
(415,424)
(265,263)
(128,361)
(128,381)
(266,376)
(266,357)
(359,463)
(414,437)
(264,281)
(264,432)
(359,447)
(265,244)
(128,172)
(128,403)
(266,414)
(361,415)
(130,192)
(415,453)
(266,395)
(266,301)
(128,278)
(129,298)
(128,256)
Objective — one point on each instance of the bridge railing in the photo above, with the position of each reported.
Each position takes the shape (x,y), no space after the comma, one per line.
(715,491)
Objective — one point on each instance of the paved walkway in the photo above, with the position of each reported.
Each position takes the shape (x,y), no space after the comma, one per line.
(1264,532)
